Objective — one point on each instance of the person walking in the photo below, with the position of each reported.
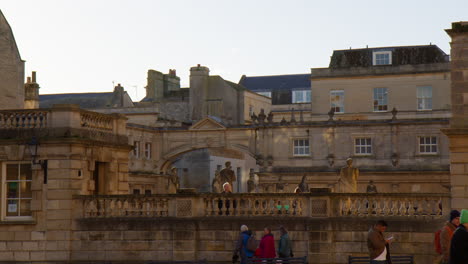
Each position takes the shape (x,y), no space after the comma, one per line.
(267,245)
(284,247)
(459,243)
(446,235)
(241,246)
(379,246)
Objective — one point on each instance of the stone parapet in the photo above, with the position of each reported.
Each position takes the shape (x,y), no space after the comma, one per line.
(400,205)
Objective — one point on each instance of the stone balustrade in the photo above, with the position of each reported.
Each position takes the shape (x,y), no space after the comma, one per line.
(23,119)
(266,205)
(64,120)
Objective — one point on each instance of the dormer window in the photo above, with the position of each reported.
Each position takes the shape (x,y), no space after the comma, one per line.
(382,58)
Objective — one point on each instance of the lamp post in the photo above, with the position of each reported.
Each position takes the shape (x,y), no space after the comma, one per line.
(33,147)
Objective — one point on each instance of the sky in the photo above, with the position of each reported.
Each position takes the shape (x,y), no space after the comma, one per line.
(90,46)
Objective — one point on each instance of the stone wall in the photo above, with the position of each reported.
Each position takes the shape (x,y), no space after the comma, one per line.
(322,240)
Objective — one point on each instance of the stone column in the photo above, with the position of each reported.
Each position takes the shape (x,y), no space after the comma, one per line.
(458,131)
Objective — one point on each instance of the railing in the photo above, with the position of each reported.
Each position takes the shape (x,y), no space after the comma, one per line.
(124,206)
(20,119)
(387,205)
(96,121)
(266,205)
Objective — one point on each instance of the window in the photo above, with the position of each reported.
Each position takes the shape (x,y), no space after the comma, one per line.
(18,178)
(424,95)
(302,96)
(362,146)
(136,191)
(382,58)
(136,149)
(428,145)
(148,150)
(337,101)
(147,192)
(380,99)
(301,147)
(267,94)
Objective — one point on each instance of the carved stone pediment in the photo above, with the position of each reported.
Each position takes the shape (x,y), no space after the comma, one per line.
(207,124)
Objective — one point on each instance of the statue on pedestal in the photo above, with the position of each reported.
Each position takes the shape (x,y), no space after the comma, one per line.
(216,184)
(174,183)
(303,186)
(227,174)
(371,188)
(348,178)
(251,182)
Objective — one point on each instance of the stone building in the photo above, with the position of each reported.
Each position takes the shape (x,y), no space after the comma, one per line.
(70,176)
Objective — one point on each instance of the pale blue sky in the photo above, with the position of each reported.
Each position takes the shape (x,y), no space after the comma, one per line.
(82,46)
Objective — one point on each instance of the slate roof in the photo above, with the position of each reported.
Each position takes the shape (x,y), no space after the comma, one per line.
(276,82)
(84,100)
(402,55)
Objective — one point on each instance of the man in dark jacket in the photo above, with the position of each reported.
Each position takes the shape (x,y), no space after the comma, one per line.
(378,246)
(241,246)
(459,243)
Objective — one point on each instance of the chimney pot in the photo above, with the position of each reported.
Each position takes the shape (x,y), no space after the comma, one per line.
(33,76)
(29,80)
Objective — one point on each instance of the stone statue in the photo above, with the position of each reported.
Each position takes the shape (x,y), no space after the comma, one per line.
(227,174)
(174,183)
(348,178)
(216,184)
(303,186)
(280,185)
(251,182)
(371,188)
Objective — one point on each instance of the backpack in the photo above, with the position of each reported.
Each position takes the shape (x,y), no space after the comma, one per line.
(252,244)
(437,246)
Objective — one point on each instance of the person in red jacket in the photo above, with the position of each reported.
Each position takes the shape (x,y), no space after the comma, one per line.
(267,245)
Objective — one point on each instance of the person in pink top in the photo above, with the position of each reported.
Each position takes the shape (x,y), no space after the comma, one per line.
(267,245)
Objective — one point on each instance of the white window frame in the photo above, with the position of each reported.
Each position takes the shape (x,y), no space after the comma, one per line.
(305,94)
(424,98)
(267,94)
(4,195)
(301,145)
(342,101)
(428,145)
(136,149)
(376,53)
(148,150)
(364,144)
(381,91)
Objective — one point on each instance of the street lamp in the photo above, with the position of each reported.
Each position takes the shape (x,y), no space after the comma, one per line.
(33,147)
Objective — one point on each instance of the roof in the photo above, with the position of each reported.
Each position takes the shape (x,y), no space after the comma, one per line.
(84,100)
(276,82)
(401,55)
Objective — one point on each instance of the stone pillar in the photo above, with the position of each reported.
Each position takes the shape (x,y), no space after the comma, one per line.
(458,131)
(198,92)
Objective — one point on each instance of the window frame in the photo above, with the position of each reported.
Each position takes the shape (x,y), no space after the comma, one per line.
(304,147)
(342,101)
(423,98)
(304,94)
(136,149)
(430,144)
(385,99)
(148,150)
(365,146)
(374,57)
(4,197)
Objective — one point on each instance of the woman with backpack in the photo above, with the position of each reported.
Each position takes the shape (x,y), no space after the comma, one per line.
(284,247)
(242,247)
